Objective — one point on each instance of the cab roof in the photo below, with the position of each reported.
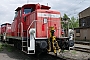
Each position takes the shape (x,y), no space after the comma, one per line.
(19,8)
(34,6)
(6,24)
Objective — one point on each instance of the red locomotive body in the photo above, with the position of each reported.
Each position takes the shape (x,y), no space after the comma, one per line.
(0,31)
(49,19)
(22,22)
(36,28)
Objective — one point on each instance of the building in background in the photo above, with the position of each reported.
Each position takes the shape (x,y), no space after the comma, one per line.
(83,32)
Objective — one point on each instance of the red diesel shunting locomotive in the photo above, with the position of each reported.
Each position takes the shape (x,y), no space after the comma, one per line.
(36,28)
(0,31)
(5,30)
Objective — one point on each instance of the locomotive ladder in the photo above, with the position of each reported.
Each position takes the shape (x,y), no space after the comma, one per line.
(24,40)
(24,45)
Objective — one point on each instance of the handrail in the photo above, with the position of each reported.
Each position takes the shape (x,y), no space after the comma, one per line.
(28,29)
(21,30)
(31,25)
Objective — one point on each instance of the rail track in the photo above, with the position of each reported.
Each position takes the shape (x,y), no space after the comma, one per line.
(83,42)
(81,47)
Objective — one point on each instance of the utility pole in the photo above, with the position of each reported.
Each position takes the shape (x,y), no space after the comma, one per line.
(68,26)
(27,1)
(47,4)
(66,20)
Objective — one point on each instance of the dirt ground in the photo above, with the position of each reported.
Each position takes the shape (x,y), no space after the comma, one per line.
(12,53)
(77,55)
(5,55)
(74,55)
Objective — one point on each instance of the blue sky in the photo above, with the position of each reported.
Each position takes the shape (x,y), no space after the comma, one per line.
(70,7)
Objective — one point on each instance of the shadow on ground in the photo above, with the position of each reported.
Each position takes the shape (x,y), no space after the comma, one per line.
(11,53)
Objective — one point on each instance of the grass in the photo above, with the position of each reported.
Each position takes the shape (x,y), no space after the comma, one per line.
(6,46)
(1,47)
(9,48)
(64,51)
(74,52)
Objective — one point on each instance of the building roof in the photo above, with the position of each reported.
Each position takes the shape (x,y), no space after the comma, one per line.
(84,13)
(84,10)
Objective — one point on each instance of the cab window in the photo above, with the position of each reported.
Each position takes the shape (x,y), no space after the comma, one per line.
(16,14)
(27,10)
(20,13)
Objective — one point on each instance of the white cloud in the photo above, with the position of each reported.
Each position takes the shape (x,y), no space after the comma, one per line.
(7,7)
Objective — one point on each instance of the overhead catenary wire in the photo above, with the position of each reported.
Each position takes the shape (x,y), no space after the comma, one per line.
(76,5)
(75,8)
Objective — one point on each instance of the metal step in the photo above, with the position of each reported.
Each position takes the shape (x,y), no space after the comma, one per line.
(25,51)
(24,46)
(24,41)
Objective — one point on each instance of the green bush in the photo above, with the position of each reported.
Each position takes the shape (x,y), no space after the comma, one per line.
(1,46)
(6,46)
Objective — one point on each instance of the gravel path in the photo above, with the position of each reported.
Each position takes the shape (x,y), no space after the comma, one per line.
(77,55)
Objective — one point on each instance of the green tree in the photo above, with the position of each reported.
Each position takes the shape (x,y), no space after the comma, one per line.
(64,21)
(73,22)
(65,16)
